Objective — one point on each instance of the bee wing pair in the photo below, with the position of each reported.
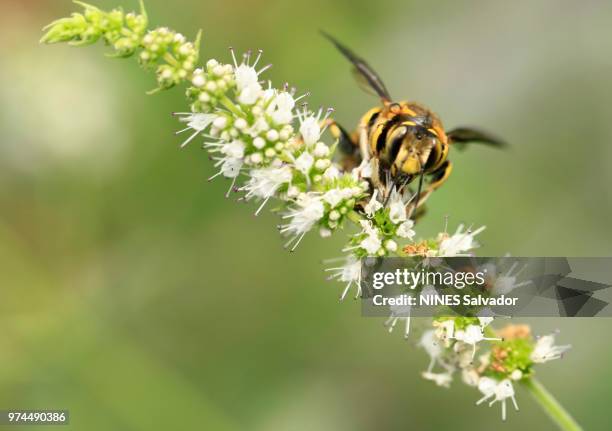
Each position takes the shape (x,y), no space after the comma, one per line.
(366,76)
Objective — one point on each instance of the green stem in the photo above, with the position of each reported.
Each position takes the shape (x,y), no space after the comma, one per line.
(551,406)
(227,103)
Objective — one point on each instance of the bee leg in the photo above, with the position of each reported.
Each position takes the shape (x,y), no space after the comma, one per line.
(438,177)
(364,143)
(419,190)
(347,146)
(345,142)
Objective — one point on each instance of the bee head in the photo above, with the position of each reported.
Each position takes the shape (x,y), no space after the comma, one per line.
(414,144)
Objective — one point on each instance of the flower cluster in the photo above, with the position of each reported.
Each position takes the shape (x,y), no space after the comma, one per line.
(510,358)
(209,85)
(253,131)
(382,226)
(180,56)
(120,30)
(127,33)
(272,146)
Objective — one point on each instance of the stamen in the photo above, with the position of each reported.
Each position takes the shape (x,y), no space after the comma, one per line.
(515,403)
(181,131)
(407,332)
(345,291)
(298,242)
(190,139)
(302,96)
(233,56)
(259,52)
(263,69)
(215,176)
(231,187)
(261,206)
(483,399)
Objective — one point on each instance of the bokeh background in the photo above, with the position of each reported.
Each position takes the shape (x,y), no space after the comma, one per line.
(135,295)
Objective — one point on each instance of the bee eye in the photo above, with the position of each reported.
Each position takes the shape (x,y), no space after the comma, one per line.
(418,135)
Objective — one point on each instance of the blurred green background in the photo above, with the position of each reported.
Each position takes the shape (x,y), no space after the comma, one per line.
(135,295)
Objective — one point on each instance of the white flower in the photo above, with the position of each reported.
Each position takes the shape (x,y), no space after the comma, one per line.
(500,391)
(293,192)
(230,168)
(430,342)
(364,170)
(404,230)
(470,376)
(349,273)
(322,164)
(321,150)
(264,183)
(324,232)
(233,149)
(516,375)
(250,94)
(472,335)
(247,80)
(310,130)
(485,321)
(487,386)
(220,122)
(545,349)
(259,126)
(304,162)
(245,76)
(333,197)
(309,210)
(441,379)
(272,135)
(331,173)
(281,108)
(371,244)
(197,122)
(506,282)
(372,206)
(391,245)
(459,243)
(231,162)
(397,208)
(399,312)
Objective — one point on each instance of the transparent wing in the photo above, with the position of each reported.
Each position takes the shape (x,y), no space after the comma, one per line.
(363,69)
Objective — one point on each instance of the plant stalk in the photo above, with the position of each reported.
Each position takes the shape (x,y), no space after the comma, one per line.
(551,406)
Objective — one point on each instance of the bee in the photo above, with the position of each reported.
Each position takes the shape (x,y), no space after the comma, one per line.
(403,141)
